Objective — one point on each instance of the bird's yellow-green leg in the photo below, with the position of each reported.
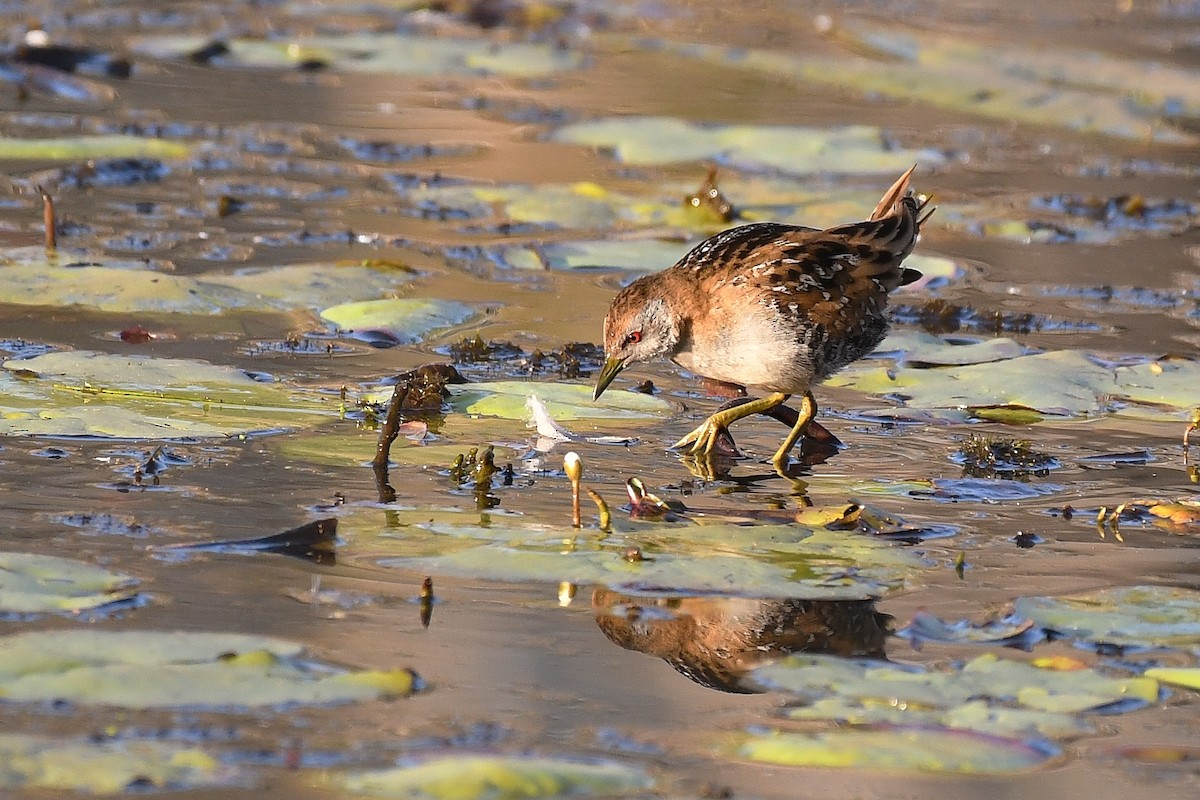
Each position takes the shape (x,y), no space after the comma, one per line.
(808,410)
(704,438)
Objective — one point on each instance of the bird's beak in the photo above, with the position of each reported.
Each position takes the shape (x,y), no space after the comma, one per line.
(612,368)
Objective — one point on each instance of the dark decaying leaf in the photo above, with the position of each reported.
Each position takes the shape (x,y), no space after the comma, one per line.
(313,541)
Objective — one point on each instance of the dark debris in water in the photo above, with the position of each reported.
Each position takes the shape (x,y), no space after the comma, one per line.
(999,457)
(313,541)
(572,360)
(105,524)
(1128,212)
(942,316)
(395,152)
(112,172)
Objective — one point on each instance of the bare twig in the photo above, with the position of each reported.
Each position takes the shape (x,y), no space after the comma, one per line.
(49,221)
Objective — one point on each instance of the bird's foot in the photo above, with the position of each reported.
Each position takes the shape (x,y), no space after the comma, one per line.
(709,438)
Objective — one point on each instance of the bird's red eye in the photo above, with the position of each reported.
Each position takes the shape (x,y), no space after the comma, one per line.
(634,337)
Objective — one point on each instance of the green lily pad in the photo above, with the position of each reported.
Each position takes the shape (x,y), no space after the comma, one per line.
(918,348)
(158,669)
(1089,92)
(32,278)
(81,148)
(84,393)
(911,749)
(32,584)
(640,255)
(471,777)
(105,767)
(564,401)
(1149,616)
(1058,382)
(406,319)
(852,150)
(391,53)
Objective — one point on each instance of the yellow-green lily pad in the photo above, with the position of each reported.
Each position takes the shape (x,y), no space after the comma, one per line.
(31,583)
(898,748)
(406,319)
(1149,616)
(164,669)
(105,767)
(472,777)
(1058,382)
(393,53)
(33,278)
(564,401)
(82,148)
(851,150)
(1089,92)
(85,393)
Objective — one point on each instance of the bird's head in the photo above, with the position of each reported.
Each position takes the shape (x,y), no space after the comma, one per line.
(640,326)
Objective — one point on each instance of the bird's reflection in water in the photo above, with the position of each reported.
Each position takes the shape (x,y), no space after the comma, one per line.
(716,641)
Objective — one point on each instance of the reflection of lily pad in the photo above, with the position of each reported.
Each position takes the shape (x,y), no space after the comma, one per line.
(564,401)
(855,150)
(151,669)
(1152,616)
(917,749)
(405,319)
(498,778)
(104,767)
(763,561)
(84,393)
(378,52)
(987,695)
(36,583)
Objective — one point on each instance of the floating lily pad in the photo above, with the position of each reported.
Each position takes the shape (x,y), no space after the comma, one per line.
(1147,616)
(31,278)
(564,401)
(85,393)
(914,348)
(472,777)
(639,255)
(82,148)
(852,150)
(105,767)
(392,53)
(32,584)
(404,320)
(914,749)
(1058,382)
(1090,92)
(156,669)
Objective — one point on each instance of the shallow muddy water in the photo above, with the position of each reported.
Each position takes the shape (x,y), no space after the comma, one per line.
(1061,146)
